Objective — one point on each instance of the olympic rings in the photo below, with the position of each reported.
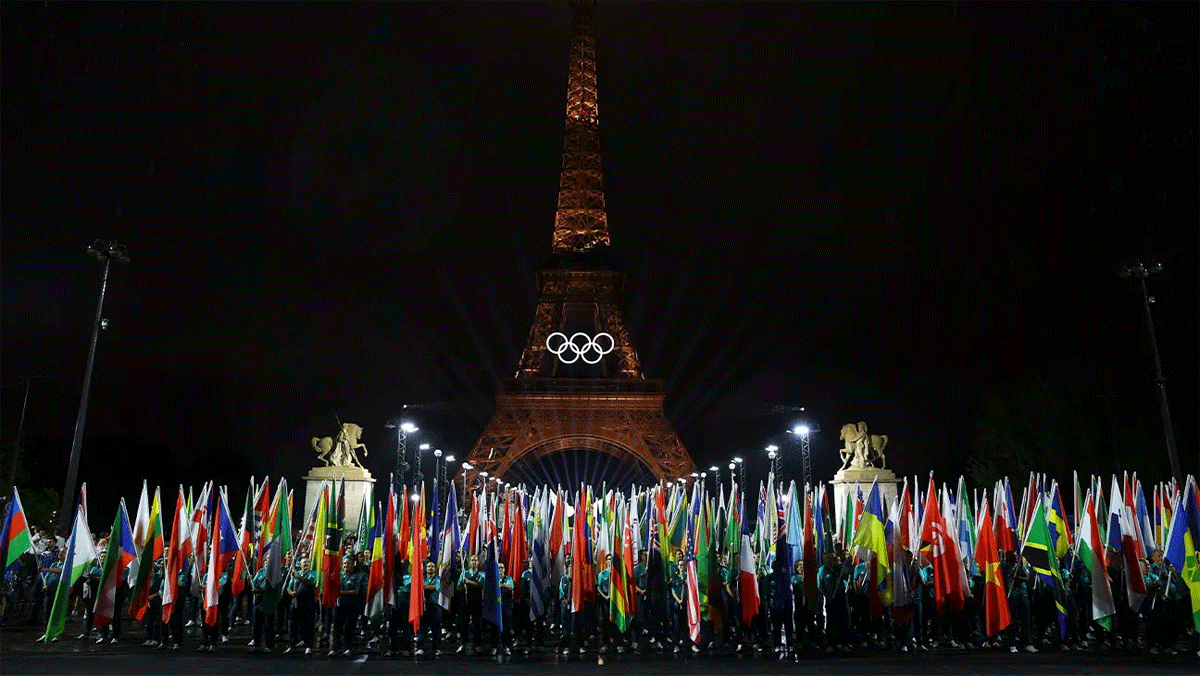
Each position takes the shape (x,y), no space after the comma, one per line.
(579,350)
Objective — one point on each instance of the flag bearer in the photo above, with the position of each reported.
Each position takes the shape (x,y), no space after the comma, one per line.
(349,608)
(431,619)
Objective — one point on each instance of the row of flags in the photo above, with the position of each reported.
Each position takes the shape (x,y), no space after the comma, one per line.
(955,532)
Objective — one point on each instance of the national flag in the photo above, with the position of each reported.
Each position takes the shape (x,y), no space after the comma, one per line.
(693,599)
(375,600)
(223,548)
(1056,521)
(492,605)
(261,520)
(331,548)
(152,550)
(416,596)
(1131,549)
(14,536)
(177,552)
(939,548)
(987,555)
(870,536)
(246,537)
(619,607)
(448,553)
(278,544)
(747,581)
(141,523)
(1038,550)
(1091,553)
(121,553)
(1183,539)
(81,552)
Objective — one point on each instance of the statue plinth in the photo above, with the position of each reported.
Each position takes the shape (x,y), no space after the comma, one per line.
(359,486)
(844,481)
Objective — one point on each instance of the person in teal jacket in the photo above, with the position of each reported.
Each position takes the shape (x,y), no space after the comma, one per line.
(264,635)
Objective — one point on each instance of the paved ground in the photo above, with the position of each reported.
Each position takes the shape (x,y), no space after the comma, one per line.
(20,653)
(236,661)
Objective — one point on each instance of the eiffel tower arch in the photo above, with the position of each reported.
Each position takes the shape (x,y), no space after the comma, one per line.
(579,385)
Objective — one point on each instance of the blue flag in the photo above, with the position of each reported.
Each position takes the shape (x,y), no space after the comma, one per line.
(493,608)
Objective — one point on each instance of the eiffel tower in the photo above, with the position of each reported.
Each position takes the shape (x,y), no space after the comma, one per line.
(570,391)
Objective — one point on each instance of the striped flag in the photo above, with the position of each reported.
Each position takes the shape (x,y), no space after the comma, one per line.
(121,553)
(81,551)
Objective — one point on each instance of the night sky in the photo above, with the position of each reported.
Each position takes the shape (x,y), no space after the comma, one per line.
(877,212)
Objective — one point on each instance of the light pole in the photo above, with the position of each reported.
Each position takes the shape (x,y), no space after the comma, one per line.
(773,453)
(1141,272)
(419,473)
(403,429)
(716,475)
(20,432)
(106,252)
(741,475)
(802,431)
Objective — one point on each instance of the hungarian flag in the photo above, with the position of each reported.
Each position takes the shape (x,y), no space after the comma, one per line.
(987,555)
(177,553)
(121,553)
(81,551)
(14,536)
(222,549)
(1091,552)
(152,549)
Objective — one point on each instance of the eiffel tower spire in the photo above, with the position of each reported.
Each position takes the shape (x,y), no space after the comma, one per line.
(581,225)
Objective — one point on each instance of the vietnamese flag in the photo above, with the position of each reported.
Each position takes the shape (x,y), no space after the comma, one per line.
(987,555)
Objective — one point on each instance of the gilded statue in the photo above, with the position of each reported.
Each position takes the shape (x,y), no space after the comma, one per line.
(341,452)
(862,449)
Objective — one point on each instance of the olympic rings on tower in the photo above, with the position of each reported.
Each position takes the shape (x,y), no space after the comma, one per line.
(579,349)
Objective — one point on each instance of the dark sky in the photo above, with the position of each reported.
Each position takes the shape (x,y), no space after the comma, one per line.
(875,211)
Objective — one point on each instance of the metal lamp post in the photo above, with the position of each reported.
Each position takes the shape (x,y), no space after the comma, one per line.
(1141,272)
(403,429)
(802,431)
(106,252)
(773,454)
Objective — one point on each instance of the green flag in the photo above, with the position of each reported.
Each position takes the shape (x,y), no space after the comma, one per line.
(81,552)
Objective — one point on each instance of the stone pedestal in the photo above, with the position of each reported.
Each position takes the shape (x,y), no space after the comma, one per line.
(359,485)
(843,484)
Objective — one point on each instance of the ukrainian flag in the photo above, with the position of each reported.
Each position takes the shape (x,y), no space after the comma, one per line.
(870,536)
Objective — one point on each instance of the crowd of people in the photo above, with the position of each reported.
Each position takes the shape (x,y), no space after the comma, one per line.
(763,597)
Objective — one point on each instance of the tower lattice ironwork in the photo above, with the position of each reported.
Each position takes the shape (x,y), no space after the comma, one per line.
(553,404)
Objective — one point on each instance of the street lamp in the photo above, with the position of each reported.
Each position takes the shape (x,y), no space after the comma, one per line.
(419,473)
(403,429)
(1141,272)
(106,252)
(802,431)
(772,453)
(741,475)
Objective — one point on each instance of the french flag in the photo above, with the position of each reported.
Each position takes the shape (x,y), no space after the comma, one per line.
(223,548)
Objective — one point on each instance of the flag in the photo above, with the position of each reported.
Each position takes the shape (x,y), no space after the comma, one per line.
(747,581)
(416,596)
(14,536)
(152,549)
(178,550)
(938,547)
(279,543)
(121,553)
(81,551)
(245,538)
(1056,520)
(1091,553)
(693,599)
(987,555)
(222,549)
(141,524)
(619,577)
(870,536)
(448,552)
(331,548)
(492,605)
(1038,550)
(1182,541)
